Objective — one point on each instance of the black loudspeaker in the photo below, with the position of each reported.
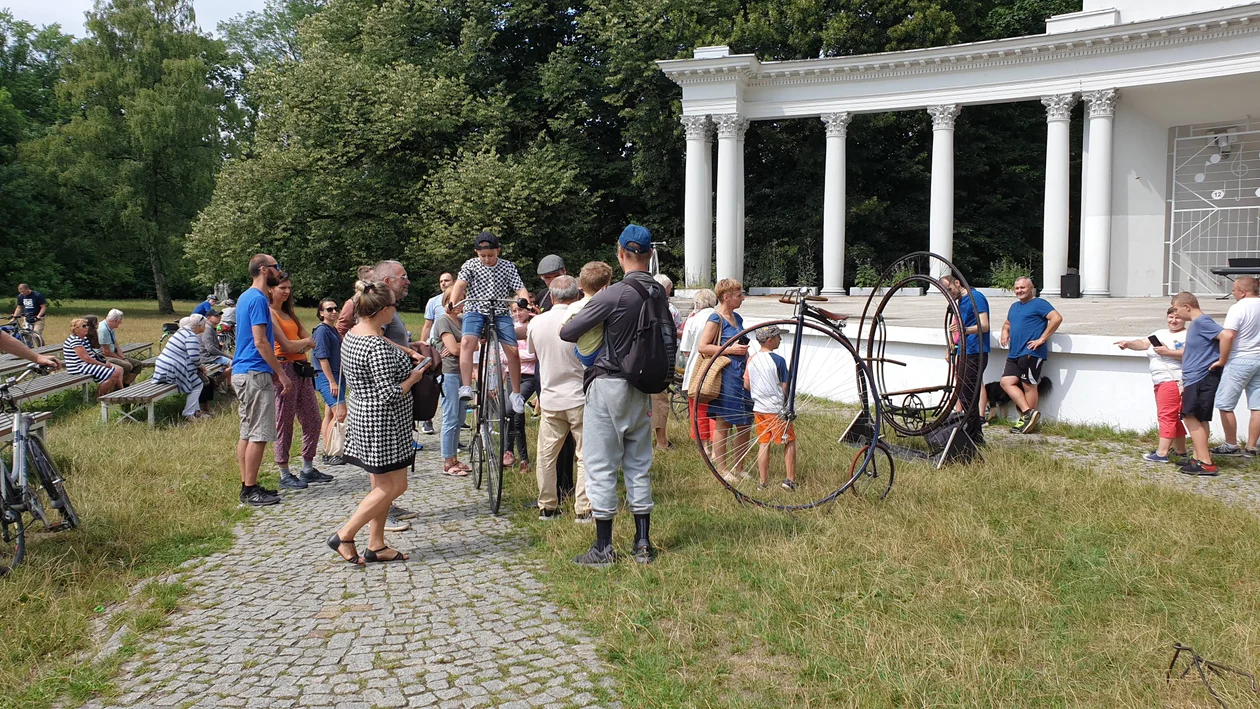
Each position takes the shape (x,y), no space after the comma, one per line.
(1070,285)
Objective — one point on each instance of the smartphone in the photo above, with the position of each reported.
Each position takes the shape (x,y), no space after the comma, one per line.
(422,364)
(1154,341)
(742,341)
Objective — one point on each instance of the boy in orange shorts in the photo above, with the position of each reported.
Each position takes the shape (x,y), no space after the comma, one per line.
(766,378)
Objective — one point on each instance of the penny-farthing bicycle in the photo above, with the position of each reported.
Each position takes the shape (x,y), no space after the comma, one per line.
(492,409)
(828,388)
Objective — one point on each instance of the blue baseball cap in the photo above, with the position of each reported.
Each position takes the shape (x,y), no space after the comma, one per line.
(636,239)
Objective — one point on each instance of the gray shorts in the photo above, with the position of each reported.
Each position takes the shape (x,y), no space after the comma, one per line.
(256,400)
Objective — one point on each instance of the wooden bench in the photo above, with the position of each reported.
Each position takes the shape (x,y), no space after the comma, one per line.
(54,350)
(52,384)
(37,427)
(144,394)
(135,347)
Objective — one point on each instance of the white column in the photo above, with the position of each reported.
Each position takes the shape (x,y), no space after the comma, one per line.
(1096,225)
(740,221)
(698,203)
(834,204)
(730,190)
(941,222)
(1054,245)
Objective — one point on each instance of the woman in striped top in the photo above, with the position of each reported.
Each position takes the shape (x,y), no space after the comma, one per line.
(81,358)
(180,364)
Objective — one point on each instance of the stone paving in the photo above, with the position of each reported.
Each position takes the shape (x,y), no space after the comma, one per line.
(280,621)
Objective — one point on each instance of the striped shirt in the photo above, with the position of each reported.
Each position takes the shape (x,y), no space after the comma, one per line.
(177,364)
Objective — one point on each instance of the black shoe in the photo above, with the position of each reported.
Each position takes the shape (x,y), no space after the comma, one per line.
(288,481)
(269,491)
(426,427)
(334,460)
(548,515)
(401,513)
(259,497)
(315,476)
(644,553)
(597,557)
(1034,418)
(1199,468)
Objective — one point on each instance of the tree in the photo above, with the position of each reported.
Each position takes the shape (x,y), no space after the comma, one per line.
(138,157)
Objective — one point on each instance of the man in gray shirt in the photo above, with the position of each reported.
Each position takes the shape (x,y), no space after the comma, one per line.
(617,428)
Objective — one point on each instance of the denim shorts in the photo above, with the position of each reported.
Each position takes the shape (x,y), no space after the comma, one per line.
(506,327)
(321,386)
(1239,375)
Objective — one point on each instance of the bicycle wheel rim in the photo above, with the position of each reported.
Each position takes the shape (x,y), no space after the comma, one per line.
(478,455)
(12,527)
(833,396)
(872,482)
(54,486)
(494,406)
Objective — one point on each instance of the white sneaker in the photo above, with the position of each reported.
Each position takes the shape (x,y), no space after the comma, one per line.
(465,393)
(518,402)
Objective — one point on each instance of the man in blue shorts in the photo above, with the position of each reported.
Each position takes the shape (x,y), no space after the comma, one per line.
(1029,324)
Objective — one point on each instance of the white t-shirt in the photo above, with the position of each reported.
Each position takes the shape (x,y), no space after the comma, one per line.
(690,341)
(766,373)
(1243,318)
(1166,369)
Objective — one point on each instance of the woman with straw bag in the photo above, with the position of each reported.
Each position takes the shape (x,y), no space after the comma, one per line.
(731,409)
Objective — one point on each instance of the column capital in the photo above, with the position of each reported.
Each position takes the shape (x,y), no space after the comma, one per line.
(837,123)
(943,116)
(1059,106)
(1101,102)
(697,127)
(730,125)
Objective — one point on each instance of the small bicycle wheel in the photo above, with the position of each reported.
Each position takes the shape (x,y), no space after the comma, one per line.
(872,475)
(677,403)
(494,405)
(802,438)
(54,486)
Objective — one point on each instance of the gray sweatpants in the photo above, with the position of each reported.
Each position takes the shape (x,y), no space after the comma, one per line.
(617,433)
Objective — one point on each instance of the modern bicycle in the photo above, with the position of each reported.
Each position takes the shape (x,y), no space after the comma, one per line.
(492,407)
(23,330)
(19,496)
(829,393)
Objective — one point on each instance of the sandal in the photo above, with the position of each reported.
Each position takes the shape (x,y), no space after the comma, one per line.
(374,555)
(464,466)
(455,471)
(335,542)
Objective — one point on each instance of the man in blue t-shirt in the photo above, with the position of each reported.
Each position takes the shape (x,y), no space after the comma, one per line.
(254,365)
(32,305)
(432,311)
(1200,376)
(974,308)
(204,307)
(1029,324)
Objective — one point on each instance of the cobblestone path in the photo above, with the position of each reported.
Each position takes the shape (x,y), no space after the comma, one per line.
(279,621)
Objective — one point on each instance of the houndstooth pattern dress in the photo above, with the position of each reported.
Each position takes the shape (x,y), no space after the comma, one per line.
(378,435)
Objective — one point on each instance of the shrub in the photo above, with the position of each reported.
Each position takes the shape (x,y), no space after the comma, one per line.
(1003,273)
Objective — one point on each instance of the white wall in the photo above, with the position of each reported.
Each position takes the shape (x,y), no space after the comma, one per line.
(1138,10)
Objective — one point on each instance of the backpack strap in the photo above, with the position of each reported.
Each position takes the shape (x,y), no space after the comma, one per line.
(640,289)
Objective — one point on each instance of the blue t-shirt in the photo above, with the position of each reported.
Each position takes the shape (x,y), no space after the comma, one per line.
(327,347)
(252,308)
(975,343)
(203,308)
(1202,349)
(1028,322)
(31,303)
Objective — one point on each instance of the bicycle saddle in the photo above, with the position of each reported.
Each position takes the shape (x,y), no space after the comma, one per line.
(793,298)
(833,315)
(170,327)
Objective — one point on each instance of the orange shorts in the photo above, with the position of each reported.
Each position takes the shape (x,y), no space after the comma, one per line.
(771,428)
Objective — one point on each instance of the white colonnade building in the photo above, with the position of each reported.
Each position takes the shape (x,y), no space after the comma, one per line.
(1171,176)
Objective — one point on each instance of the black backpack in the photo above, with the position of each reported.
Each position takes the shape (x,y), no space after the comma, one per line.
(649,365)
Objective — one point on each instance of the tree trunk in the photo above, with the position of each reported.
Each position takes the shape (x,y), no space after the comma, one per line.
(159,283)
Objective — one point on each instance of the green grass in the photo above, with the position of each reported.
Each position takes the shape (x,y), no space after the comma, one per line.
(1023,581)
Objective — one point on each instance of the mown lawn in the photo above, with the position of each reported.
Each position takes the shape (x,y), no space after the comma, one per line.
(1022,581)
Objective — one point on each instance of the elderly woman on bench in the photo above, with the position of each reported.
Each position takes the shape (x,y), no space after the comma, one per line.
(81,358)
(180,364)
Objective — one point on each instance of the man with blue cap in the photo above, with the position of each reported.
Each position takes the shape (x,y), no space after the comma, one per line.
(617,424)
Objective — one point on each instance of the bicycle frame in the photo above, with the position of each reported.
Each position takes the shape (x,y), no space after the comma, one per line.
(21,434)
(804,310)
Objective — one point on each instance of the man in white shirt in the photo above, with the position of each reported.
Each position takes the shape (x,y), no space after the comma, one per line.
(561,398)
(1240,353)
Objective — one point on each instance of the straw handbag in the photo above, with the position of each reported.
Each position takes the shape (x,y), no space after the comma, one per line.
(711,387)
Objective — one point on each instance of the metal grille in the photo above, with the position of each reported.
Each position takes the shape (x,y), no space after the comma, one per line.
(1215,203)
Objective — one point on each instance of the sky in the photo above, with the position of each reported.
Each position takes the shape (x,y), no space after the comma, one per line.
(70,12)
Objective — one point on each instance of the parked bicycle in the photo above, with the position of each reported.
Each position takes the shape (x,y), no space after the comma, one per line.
(24,331)
(19,496)
(830,392)
(491,407)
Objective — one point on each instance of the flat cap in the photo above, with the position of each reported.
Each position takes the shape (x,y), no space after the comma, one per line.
(550,263)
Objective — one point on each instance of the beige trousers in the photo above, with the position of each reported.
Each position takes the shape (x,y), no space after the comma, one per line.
(553,427)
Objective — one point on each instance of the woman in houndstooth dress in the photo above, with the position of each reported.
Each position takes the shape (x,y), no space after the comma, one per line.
(378,435)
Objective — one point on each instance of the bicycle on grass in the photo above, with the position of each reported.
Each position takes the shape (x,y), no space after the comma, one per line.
(18,496)
(492,409)
(830,413)
(23,330)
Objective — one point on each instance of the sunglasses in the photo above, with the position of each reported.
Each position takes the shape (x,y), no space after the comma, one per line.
(275,265)
(330,310)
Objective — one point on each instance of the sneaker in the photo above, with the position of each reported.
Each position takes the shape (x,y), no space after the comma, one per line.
(548,515)
(788,485)
(1020,423)
(518,402)
(1227,449)
(597,557)
(1155,457)
(289,482)
(587,518)
(465,393)
(426,427)
(269,491)
(644,553)
(1250,452)
(1034,418)
(313,475)
(334,460)
(393,524)
(401,513)
(417,445)
(762,486)
(465,427)
(1198,467)
(259,497)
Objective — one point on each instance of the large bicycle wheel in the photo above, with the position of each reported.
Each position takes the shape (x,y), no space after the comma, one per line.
(54,486)
(493,405)
(808,437)
(12,527)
